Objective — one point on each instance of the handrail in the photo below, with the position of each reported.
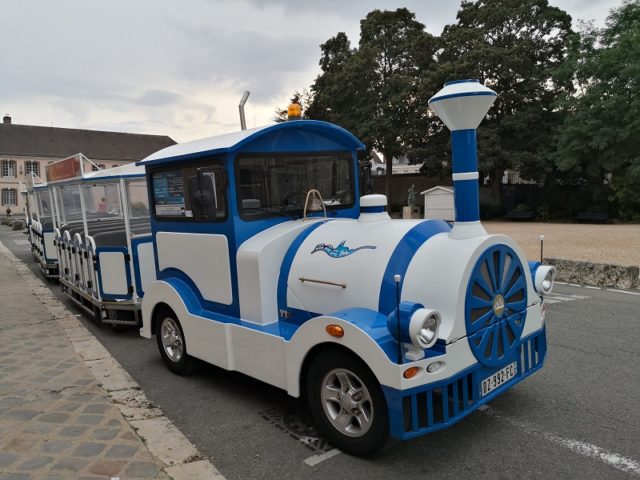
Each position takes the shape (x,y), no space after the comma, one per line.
(318,196)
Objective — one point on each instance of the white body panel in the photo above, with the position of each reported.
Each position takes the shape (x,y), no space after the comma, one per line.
(259,260)
(202,257)
(146,261)
(113,273)
(361,271)
(49,247)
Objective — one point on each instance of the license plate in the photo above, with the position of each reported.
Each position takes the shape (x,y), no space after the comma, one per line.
(500,377)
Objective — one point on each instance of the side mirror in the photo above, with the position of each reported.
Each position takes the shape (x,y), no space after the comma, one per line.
(365,178)
(203,196)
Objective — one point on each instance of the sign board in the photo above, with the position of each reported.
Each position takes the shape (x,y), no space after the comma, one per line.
(64,169)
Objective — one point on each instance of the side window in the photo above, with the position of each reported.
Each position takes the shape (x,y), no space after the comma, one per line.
(196,192)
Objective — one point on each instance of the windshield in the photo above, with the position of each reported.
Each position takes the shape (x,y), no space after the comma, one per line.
(278,184)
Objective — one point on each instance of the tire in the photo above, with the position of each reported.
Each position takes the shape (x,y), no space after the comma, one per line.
(171,343)
(347,403)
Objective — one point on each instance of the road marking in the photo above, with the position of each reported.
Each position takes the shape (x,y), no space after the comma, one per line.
(592,288)
(557,298)
(594,452)
(623,291)
(313,460)
(21,242)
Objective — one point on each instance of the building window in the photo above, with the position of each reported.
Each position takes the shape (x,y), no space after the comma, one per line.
(9,196)
(97,168)
(8,168)
(32,166)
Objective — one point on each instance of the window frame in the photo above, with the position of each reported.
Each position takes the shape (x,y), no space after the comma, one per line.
(267,215)
(8,191)
(29,167)
(8,162)
(200,163)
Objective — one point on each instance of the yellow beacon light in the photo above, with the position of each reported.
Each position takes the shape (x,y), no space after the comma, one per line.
(294,112)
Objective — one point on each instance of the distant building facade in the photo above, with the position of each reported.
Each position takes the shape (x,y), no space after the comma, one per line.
(26,149)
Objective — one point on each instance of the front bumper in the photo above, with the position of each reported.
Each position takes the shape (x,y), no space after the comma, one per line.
(431,407)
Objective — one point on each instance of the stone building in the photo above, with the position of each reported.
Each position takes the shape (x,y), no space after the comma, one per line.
(26,148)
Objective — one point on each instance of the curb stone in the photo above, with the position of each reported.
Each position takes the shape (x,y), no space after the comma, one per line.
(595,274)
(161,437)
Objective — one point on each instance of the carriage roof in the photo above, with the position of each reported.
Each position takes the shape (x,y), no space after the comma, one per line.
(291,136)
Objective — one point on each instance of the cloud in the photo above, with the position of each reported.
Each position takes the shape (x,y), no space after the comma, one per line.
(179,68)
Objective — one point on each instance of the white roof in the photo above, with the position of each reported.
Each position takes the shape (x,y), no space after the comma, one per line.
(203,145)
(128,170)
(445,189)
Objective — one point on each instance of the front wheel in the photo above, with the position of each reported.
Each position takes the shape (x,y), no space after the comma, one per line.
(171,343)
(347,403)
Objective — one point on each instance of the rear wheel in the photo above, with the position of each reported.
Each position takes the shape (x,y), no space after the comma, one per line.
(347,403)
(171,343)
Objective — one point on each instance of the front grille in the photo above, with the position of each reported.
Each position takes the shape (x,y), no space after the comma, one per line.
(444,403)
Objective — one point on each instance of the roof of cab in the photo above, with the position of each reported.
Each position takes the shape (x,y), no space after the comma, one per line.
(235,141)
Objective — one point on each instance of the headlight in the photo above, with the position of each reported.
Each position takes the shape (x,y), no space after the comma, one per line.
(544,279)
(418,325)
(423,327)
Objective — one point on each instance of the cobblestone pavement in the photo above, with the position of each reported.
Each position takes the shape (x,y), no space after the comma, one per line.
(67,409)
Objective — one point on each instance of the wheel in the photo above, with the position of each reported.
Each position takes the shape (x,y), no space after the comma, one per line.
(171,343)
(347,403)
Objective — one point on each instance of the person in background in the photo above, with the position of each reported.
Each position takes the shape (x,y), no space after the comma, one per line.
(102,206)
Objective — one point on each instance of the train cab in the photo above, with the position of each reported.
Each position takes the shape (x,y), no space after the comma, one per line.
(271,262)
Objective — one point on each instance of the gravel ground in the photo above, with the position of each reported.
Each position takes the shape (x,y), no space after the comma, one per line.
(618,244)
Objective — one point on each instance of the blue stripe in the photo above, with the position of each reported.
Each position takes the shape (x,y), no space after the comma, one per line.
(464,151)
(379,209)
(466,200)
(464,156)
(401,258)
(462,94)
(466,80)
(283,279)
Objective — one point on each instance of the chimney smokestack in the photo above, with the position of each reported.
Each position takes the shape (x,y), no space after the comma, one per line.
(6,119)
(461,105)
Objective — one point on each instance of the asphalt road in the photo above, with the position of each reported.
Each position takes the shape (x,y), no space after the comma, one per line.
(578,417)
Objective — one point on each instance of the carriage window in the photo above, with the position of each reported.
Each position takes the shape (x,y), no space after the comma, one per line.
(271,185)
(196,192)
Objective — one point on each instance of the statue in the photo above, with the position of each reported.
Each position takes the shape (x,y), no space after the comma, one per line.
(412,196)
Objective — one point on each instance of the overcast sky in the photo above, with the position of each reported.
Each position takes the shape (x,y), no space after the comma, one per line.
(179,68)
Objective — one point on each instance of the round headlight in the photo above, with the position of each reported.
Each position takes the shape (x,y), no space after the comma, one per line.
(545,278)
(423,327)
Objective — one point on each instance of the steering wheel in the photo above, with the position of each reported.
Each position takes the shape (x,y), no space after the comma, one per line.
(297,195)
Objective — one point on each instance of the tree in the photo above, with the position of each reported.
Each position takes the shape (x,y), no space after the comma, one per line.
(599,142)
(373,90)
(513,47)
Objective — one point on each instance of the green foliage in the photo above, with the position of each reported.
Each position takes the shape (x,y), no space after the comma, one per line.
(599,143)
(377,89)
(567,113)
(514,47)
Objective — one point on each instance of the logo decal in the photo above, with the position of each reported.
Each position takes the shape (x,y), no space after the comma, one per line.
(340,251)
(498,304)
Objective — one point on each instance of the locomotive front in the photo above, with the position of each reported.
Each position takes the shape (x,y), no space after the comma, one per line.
(456,315)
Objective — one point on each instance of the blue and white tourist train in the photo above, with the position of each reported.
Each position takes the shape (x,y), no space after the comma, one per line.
(270,262)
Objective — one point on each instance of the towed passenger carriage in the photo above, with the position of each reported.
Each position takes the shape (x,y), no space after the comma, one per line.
(270,263)
(100,236)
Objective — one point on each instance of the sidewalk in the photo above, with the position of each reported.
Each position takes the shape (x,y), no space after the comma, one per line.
(67,409)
